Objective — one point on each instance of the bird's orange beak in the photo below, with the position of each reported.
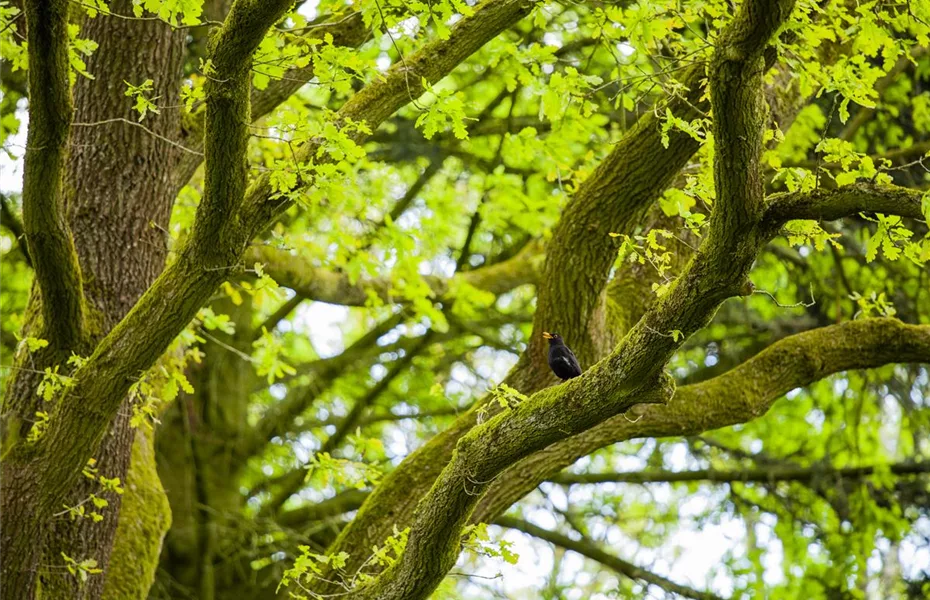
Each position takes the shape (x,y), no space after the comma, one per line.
(547,335)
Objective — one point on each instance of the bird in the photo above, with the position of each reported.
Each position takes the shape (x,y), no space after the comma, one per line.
(562,360)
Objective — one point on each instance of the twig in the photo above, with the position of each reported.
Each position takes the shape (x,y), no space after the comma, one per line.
(795,305)
(140,125)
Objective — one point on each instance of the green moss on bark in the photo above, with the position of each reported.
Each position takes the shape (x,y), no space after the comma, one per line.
(143,522)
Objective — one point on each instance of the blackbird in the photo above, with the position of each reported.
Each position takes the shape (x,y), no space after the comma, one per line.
(562,360)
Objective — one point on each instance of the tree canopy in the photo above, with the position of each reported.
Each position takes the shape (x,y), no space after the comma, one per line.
(275,277)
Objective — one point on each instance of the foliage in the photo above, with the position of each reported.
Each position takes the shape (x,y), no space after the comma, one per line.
(363,322)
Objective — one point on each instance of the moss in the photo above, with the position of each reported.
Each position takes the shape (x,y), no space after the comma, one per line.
(48,238)
(144,519)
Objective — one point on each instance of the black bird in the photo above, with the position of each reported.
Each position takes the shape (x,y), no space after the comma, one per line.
(562,360)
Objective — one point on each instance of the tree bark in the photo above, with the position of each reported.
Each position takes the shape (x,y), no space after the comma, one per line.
(119,203)
(118,199)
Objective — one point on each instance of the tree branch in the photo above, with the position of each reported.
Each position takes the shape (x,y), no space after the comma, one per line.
(11,222)
(402,83)
(48,237)
(277,316)
(592,551)
(346,31)
(764,475)
(409,196)
(339,504)
(829,205)
(743,394)
(226,136)
(735,78)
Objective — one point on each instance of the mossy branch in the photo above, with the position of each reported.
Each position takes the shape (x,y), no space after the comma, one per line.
(401,84)
(735,78)
(48,236)
(632,372)
(740,395)
(341,503)
(829,205)
(219,236)
(769,475)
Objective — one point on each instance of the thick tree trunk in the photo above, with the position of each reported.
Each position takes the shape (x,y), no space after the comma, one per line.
(118,197)
(119,203)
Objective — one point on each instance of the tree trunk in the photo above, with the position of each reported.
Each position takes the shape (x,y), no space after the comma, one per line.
(118,197)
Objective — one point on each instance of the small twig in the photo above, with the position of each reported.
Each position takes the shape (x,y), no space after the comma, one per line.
(12,21)
(22,369)
(140,125)
(15,226)
(470,575)
(226,346)
(400,54)
(823,136)
(795,305)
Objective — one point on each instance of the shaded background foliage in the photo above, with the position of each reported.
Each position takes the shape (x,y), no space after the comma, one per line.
(402,286)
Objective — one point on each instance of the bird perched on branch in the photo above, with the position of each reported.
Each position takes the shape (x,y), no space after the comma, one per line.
(562,360)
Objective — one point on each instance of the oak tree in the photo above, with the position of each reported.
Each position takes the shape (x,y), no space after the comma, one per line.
(275,278)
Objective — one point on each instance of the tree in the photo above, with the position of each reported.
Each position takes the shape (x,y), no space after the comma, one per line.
(716,206)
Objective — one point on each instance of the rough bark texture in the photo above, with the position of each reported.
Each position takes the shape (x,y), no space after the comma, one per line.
(115,214)
(119,201)
(58,286)
(47,234)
